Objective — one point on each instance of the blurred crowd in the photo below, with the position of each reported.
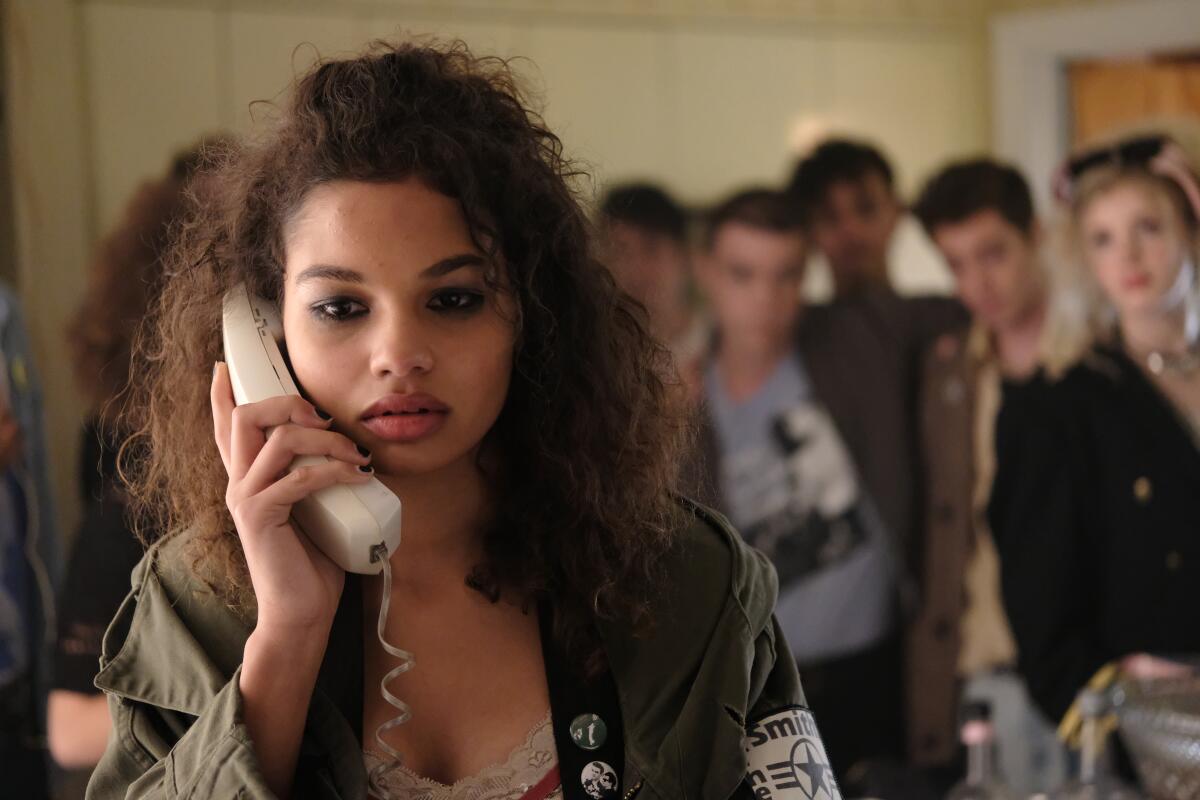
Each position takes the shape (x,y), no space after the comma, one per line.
(986,498)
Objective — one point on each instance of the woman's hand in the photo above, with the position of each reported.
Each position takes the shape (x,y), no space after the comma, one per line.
(297,587)
(1144,666)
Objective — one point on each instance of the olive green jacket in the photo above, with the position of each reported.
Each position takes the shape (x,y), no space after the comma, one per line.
(715,660)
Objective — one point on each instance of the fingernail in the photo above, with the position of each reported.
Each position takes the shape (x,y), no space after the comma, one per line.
(322,414)
(362,451)
(215,364)
(365,468)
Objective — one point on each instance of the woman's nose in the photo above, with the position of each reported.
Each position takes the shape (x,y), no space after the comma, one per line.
(401,349)
(1133,248)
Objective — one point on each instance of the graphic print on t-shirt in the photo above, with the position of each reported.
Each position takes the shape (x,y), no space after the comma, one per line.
(805,492)
(790,485)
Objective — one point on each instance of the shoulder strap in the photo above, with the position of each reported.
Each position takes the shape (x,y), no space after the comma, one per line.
(586,718)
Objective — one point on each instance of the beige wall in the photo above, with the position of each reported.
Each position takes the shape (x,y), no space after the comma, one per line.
(705,102)
(706,105)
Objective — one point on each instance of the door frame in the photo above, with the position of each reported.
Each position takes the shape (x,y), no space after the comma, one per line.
(1030,54)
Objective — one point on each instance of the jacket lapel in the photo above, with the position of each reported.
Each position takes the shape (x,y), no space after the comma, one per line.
(152,657)
(1162,423)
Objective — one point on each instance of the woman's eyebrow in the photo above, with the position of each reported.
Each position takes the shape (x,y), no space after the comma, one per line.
(331,273)
(448,265)
(345,275)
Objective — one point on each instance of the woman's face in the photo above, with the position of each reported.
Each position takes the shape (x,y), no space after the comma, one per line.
(1135,241)
(390,325)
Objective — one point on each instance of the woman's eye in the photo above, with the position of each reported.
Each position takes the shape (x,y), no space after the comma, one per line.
(456,300)
(1099,240)
(1149,225)
(337,309)
(995,254)
(741,276)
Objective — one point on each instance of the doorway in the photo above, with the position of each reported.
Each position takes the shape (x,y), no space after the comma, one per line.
(1108,95)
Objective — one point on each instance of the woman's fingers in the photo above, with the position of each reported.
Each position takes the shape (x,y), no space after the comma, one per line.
(1147,667)
(286,442)
(220,396)
(241,431)
(250,423)
(270,508)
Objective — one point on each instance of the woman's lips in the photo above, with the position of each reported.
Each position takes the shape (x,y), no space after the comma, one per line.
(406,428)
(1135,282)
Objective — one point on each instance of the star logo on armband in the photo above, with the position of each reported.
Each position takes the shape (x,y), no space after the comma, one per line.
(785,759)
(808,761)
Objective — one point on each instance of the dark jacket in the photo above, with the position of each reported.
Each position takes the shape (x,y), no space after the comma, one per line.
(687,691)
(1095,510)
(862,355)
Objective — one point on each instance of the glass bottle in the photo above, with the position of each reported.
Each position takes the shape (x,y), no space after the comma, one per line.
(982,781)
(1095,780)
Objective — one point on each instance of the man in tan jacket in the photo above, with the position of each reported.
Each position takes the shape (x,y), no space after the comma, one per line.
(980,216)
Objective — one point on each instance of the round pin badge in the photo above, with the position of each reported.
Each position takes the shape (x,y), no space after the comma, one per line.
(589,731)
(599,781)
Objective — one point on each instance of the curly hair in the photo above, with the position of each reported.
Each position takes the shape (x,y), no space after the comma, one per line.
(591,430)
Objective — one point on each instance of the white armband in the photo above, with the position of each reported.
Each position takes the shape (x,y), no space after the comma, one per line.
(786,760)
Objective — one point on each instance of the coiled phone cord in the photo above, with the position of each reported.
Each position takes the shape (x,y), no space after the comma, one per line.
(374,780)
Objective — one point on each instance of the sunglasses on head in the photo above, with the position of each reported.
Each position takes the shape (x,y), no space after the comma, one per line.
(1129,152)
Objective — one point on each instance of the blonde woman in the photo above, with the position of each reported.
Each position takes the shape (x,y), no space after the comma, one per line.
(1096,502)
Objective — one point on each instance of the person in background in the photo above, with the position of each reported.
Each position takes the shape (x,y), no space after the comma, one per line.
(125,274)
(644,236)
(806,443)
(980,216)
(846,191)
(1096,500)
(29,562)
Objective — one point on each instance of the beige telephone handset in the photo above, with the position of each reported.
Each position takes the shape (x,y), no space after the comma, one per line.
(347,522)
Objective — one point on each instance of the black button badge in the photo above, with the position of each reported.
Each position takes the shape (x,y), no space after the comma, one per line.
(599,781)
(589,731)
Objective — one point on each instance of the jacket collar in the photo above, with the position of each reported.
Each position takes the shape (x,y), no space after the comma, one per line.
(169,618)
(148,635)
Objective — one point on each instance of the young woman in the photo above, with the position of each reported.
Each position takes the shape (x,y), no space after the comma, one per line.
(1096,501)
(578,629)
